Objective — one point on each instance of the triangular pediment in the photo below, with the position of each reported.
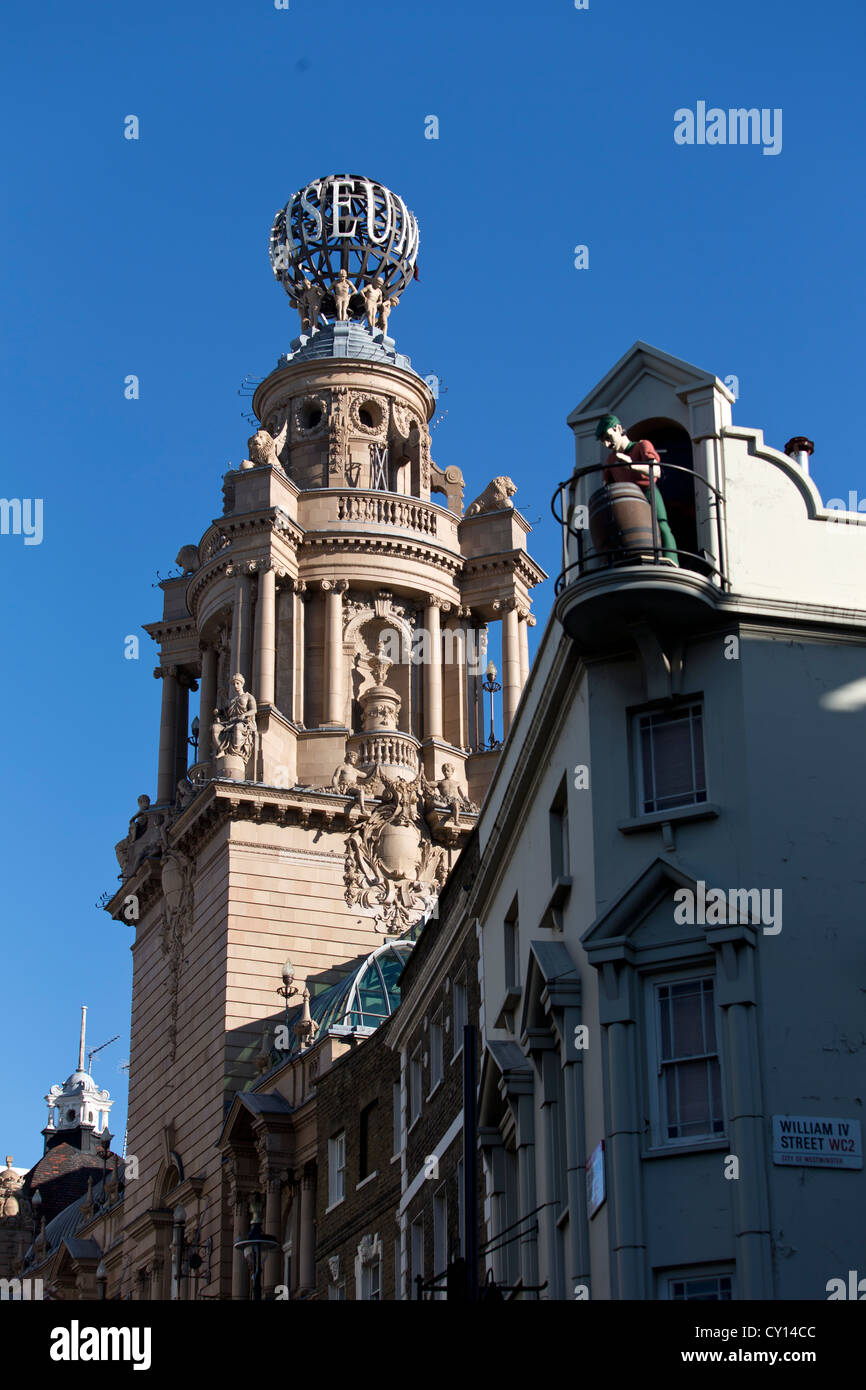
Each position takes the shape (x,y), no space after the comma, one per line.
(642,917)
(641,383)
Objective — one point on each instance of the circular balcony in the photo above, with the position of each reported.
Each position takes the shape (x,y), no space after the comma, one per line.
(388,749)
(627,562)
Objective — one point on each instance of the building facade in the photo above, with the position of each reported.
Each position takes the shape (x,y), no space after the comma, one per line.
(333,621)
(667,893)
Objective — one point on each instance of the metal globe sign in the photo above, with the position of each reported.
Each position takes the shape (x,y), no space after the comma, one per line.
(344,233)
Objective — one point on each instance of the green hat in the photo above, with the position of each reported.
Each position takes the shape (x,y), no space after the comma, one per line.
(605,424)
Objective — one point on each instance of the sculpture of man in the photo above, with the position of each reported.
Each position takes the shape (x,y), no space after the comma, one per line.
(141,837)
(372,297)
(634,461)
(234,726)
(310,305)
(343,289)
(347,779)
(385,312)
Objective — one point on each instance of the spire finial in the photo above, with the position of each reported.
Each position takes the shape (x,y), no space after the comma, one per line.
(81,1042)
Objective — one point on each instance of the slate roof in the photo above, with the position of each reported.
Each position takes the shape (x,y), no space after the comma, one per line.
(61,1176)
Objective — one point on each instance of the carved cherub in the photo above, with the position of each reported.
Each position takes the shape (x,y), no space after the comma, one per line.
(450,790)
(348,780)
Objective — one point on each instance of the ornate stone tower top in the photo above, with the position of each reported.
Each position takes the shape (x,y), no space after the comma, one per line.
(344,248)
(78,1110)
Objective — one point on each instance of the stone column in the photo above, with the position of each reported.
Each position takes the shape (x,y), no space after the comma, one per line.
(523,1093)
(207,701)
(479,688)
(333,685)
(181,747)
(526,621)
(266,649)
(736,990)
(240,642)
(551,1080)
(622,1156)
(433,673)
(240,1273)
(307,1252)
(511,684)
(299,599)
(165,780)
(273,1260)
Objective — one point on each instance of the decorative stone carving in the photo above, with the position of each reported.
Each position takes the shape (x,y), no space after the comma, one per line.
(496,497)
(453,793)
(357,401)
(338,430)
(309,305)
(342,290)
(234,731)
(393,869)
(214,543)
(372,297)
(143,839)
(178,875)
(385,312)
(349,781)
(264,449)
(12,1203)
(187,558)
(310,416)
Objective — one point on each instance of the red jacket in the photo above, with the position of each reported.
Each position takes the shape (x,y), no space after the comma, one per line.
(619,472)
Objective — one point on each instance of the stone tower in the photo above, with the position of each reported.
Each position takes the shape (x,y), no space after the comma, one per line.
(333,620)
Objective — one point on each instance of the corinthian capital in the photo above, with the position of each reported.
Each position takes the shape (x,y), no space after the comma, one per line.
(160,671)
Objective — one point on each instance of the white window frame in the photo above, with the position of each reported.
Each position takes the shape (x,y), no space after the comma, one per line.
(459,1016)
(440,1237)
(659,1139)
(665,1278)
(437,1052)
(416,1252)
(336,1169)
(699,796)
(416,1084)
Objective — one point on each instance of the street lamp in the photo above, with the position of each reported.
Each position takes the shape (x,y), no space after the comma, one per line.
(492,686)
(287,990)
(256,1246)
(193,742)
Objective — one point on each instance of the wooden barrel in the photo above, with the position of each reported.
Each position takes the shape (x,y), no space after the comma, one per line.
(621,521)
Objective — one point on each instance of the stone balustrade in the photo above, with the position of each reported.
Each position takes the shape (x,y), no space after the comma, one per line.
(387,748)
(387,509)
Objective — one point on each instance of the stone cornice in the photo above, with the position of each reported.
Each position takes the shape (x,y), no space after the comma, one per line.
(328,543)
(515,562)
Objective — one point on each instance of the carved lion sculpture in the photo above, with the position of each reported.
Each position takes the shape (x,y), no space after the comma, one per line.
(265,448)
(496,497)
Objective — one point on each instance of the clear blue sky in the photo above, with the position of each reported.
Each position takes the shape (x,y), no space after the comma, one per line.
(150,257)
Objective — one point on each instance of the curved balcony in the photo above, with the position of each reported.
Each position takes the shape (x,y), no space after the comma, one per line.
(619,565)
(388,748)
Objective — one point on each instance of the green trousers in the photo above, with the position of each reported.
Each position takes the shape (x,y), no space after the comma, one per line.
(666,535)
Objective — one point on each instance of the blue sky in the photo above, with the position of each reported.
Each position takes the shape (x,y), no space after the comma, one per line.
(150,257)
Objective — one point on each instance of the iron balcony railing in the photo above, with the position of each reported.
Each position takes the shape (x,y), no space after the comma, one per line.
(698,518)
